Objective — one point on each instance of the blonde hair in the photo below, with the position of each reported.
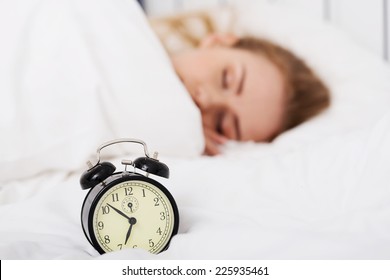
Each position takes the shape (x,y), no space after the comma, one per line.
(183,31)
(307,95)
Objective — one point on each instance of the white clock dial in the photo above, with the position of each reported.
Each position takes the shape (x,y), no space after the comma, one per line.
(133,214)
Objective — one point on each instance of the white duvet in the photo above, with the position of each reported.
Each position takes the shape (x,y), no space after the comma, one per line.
(75,74)
(320,191)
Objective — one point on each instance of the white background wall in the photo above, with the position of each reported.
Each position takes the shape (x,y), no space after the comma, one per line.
(366,21)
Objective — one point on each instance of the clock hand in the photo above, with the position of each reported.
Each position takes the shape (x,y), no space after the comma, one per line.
(119,212)
(132,221)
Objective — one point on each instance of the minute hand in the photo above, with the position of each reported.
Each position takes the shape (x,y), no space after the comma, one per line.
(119,212)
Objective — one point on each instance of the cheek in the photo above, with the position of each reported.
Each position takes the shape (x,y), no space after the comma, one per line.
(188,66)
(203,69)
(263,123)
(202,73)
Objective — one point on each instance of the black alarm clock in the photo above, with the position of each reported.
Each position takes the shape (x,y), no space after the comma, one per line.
(127,209)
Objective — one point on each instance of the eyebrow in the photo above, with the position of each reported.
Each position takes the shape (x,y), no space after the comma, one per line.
(241,84)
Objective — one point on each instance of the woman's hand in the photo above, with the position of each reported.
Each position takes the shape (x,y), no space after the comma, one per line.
(213,141)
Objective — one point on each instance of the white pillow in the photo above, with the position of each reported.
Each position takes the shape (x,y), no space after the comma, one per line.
(77,73)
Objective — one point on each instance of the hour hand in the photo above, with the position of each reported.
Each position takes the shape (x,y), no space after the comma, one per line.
(119,212)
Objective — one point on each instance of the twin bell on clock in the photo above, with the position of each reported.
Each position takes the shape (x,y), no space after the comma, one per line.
(128,209)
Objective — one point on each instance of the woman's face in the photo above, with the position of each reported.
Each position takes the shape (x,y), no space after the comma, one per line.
(240,94)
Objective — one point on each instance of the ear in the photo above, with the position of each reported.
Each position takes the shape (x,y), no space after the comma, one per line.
(218,40)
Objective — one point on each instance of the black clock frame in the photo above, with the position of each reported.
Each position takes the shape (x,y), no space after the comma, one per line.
(94,195)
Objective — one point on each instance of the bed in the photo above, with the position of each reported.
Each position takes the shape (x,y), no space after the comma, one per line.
(73,77)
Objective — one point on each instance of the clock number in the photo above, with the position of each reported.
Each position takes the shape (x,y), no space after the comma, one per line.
(143,193)
(162,216)
(105,209)
(107,239)
(129,191)
(156,201)
(115,197)
(151,243)
(100,225)
(120,246)
(159,231)
(135,246)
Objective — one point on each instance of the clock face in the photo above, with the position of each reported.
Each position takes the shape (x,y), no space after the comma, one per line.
(133,214)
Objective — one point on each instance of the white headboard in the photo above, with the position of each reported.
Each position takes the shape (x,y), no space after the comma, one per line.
(366,21)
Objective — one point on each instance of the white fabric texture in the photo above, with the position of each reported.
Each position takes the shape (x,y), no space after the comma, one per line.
(77,73)
(320,191)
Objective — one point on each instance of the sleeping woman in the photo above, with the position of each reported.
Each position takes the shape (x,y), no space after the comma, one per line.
(79,81)
(247,89)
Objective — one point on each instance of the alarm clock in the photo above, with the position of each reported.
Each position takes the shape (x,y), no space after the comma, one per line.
(128,209)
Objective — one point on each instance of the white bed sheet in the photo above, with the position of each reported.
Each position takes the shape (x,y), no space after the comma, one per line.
(324,201)
(75,74)
(320,191)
